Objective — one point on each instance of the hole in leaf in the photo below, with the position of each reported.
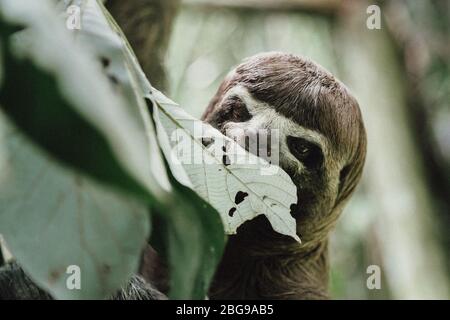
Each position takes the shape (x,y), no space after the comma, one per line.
(226,160)
(240,196)
(206,141)
(105,62)
(293,208)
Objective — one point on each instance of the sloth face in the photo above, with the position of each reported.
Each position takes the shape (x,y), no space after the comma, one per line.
(303,153)
(321,137)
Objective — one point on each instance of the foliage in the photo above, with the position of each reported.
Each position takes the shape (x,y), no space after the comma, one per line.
(81,167)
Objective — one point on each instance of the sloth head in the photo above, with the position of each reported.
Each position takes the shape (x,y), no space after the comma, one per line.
(322,140)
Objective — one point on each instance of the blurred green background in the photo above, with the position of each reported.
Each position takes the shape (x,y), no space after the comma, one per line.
(400,217)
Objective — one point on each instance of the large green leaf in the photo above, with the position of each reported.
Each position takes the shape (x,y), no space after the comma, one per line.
(191,229)
(88,108)
(192,239)
(52,216)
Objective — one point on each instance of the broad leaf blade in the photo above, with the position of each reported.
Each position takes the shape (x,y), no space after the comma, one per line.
(117,148)
(51,215)
(238,191)
(193,234)
(190,229)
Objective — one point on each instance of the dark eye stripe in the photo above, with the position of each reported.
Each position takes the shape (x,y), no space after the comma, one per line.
(235,110)
(307,152)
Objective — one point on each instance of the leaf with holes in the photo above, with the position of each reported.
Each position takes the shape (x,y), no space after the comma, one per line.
(237,183)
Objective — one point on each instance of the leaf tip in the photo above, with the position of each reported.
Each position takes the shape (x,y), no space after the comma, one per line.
(297,238)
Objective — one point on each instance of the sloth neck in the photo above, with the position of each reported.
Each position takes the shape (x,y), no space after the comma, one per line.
(259,263)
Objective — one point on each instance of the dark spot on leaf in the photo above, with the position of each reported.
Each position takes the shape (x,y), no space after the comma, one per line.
(149,105)
(226,160)
(232,211)
(293,208)
(206,141)
(113,79)
(105,62)
(224,149)
(240,196)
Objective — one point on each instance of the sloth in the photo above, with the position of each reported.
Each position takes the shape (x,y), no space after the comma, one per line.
(322,148)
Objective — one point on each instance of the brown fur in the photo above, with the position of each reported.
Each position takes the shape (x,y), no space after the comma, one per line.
(259,263)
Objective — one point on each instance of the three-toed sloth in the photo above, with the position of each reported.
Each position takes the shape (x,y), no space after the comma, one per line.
(322,148)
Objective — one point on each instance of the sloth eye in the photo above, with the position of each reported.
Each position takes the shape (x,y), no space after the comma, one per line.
(308,153)
(304,150)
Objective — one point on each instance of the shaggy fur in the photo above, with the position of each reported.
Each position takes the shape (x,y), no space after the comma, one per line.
(259,263)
